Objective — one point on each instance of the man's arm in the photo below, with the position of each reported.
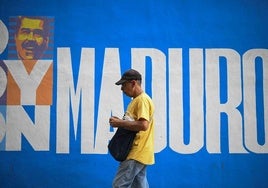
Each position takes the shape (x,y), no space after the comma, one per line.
(139,125)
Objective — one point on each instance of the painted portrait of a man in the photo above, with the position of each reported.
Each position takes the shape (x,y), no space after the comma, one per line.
(31,41)
(31,37)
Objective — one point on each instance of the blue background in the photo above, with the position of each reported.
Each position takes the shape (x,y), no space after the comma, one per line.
(239,25)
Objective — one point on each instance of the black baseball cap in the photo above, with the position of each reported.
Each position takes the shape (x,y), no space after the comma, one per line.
(129,75)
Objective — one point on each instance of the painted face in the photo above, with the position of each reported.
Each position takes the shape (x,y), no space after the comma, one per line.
(31,41)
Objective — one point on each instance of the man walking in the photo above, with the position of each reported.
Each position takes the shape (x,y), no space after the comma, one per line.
(138,117)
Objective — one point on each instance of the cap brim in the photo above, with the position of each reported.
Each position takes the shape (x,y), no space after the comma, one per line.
(120,82)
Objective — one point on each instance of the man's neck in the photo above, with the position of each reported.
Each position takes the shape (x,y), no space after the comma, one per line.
(137,92)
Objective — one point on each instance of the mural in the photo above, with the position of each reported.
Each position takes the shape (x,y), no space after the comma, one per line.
(29,39)
(204,65)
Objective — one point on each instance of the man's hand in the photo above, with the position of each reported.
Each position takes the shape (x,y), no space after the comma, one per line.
(139,125)
(114,121)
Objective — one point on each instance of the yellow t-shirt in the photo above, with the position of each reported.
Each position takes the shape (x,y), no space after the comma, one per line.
(143,145)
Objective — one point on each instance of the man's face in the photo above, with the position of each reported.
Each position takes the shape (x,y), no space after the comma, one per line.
(127,88)
(31,41)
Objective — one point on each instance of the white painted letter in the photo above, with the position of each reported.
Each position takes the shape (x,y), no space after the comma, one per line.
(158,60)
(28,83)
(176,128)
(250,106)
(3,83)
(111,99)
(36,132)
(214,108)
(67,93)
(3,36)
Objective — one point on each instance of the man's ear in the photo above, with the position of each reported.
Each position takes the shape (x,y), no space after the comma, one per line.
(133,82)
(46,41)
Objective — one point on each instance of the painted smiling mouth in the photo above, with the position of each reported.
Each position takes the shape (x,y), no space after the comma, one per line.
(29,48)
(29,52)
